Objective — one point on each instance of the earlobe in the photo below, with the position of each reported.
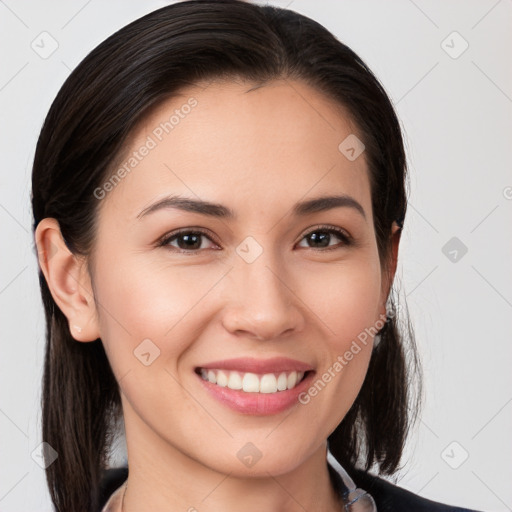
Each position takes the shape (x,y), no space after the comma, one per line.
(68,280)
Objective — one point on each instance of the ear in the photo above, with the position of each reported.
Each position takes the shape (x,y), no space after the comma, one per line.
(390,269)
(68,280)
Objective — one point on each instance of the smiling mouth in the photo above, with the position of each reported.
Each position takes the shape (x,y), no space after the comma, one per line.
(253,382)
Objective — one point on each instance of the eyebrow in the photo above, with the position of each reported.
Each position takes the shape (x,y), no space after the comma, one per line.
(216,210)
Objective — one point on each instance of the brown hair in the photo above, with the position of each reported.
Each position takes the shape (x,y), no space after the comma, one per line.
(98,107)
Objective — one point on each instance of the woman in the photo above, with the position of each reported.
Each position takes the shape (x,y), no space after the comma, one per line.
(218,197)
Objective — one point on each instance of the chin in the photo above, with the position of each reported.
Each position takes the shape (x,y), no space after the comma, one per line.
(257,459)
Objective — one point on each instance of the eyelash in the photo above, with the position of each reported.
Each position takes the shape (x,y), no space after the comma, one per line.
(340,233)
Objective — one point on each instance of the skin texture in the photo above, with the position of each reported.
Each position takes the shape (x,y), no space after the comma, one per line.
(258,153)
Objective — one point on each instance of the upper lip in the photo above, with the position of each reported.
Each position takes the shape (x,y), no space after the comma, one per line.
(249,364)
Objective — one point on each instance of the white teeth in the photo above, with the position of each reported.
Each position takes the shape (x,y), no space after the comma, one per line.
(234,381)
(222,379)
(251,382)
(268,383)
(282,381)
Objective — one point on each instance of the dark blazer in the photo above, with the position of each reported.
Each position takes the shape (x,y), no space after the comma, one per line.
(391,498)
(388,497)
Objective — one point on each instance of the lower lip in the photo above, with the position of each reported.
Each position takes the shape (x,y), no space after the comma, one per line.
(257,403)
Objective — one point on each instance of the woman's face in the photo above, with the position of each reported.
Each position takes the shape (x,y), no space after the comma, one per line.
(268,282)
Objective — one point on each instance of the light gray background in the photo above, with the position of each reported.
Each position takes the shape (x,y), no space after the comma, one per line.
(457,118)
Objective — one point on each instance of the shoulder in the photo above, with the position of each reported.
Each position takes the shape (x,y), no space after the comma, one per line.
(391,498)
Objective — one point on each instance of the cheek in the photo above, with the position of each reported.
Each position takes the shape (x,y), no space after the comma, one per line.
(140,300)
(346,300)
(345,297)
(149,319)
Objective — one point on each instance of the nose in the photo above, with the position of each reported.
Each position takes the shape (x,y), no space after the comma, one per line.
(262,304)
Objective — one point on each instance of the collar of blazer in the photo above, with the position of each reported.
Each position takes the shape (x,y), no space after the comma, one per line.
(354,498)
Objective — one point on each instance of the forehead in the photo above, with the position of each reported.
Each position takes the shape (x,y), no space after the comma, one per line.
(266,143)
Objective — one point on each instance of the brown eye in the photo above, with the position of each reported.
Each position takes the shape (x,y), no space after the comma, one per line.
(193,241)
(322,237)
(187,241)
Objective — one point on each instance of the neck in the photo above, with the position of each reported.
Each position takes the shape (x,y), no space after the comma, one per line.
(163,478)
